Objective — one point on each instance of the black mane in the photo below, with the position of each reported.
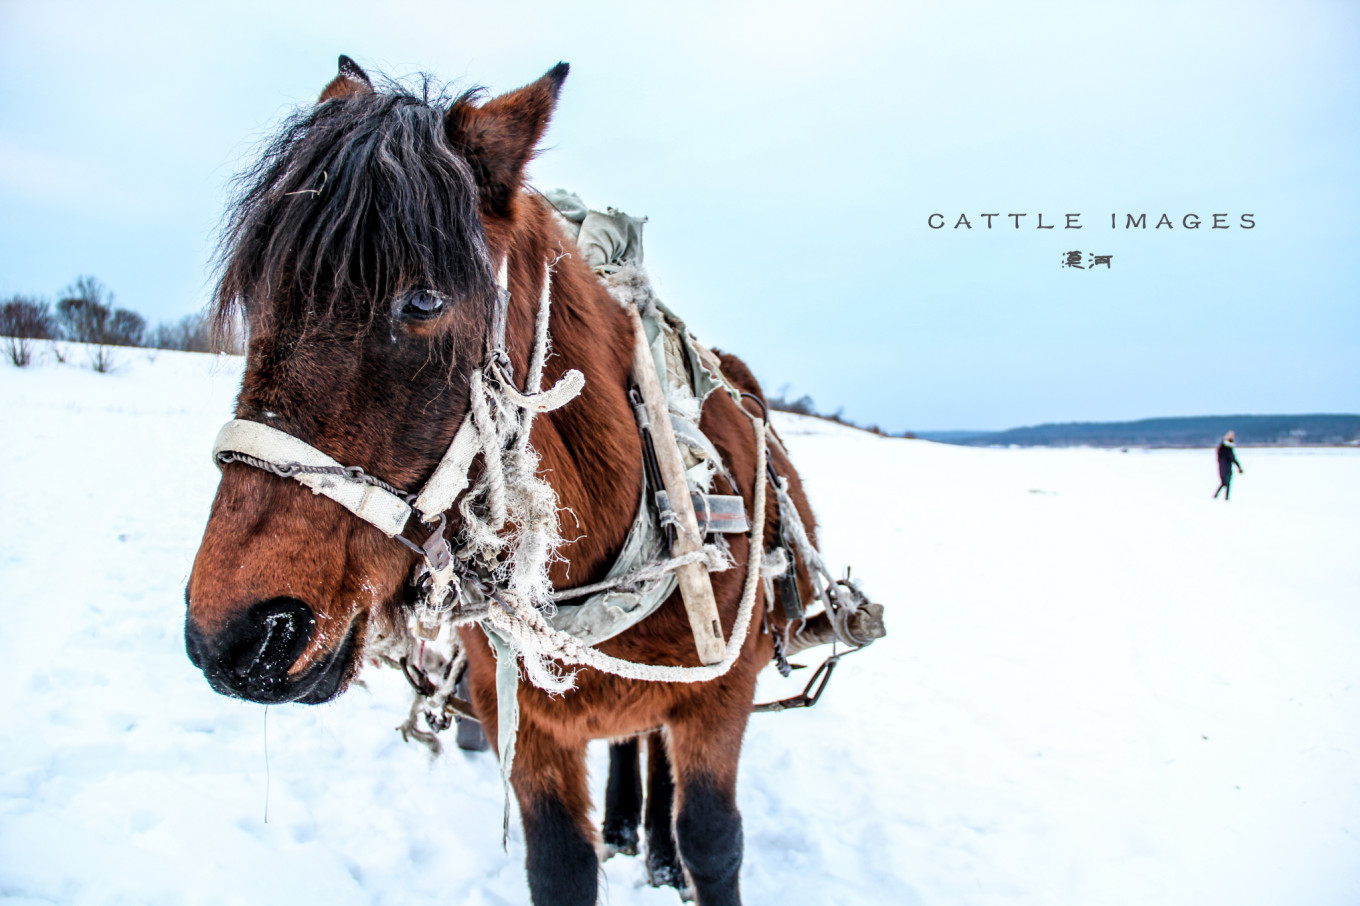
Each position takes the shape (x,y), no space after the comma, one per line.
(352,201)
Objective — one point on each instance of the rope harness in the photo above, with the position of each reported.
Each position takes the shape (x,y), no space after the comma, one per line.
(497,576)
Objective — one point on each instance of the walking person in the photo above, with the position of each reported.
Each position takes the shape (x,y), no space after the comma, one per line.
(1227,458)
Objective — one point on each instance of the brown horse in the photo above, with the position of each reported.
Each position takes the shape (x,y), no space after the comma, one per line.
(362,254)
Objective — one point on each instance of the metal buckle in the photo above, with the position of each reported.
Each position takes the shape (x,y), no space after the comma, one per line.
(438,554)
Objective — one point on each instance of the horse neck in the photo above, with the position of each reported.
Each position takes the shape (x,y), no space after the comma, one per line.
(589,449)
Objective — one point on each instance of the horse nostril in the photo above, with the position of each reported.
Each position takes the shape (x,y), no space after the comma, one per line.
(269,650)
(257,650)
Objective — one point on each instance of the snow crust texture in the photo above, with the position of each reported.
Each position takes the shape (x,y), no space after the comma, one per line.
(1100,686)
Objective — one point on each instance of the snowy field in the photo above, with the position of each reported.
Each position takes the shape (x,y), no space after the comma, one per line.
(1100,686)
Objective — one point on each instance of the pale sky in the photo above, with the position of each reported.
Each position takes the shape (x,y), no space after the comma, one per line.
(788,156)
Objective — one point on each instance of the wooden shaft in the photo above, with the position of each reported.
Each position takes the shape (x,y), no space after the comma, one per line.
(696,589)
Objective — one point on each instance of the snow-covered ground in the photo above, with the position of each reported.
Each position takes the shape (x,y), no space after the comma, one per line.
(1100,686)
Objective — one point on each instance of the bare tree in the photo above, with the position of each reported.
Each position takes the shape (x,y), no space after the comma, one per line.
(22,321)
(804,405)
(82,320)
(87,287)
(191,333)
(87,315)
(83,310)
(126,328)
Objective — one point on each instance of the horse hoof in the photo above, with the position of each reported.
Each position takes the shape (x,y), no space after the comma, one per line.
(622,838)
(610,851)
(661,873)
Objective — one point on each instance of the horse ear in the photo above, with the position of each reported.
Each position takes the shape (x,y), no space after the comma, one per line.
(498,138)
(352,80)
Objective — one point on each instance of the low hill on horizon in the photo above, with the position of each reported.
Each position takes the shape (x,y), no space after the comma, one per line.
(1192,431)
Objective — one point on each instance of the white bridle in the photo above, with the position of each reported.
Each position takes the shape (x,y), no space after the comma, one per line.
(378,504)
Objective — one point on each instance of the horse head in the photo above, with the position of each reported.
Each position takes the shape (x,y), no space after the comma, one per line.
(361,255)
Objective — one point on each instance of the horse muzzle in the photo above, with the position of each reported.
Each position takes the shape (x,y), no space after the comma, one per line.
(252,656)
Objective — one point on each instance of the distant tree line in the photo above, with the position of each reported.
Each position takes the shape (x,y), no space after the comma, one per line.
(1191,431)
(85,313)
(805,405)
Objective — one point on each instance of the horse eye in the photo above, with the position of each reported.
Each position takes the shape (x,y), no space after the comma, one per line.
(421,304)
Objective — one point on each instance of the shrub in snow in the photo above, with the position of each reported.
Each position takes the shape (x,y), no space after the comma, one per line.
(21,322)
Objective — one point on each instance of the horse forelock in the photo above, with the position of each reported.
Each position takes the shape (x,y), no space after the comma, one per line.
(351,202)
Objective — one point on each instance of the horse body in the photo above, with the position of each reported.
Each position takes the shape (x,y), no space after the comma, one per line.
(594,455)
(287,586)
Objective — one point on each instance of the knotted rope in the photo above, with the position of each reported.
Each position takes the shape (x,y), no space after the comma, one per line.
(540,645)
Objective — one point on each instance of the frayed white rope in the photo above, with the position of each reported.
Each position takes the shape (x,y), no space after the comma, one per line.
(840,612)
(542,648)
(555,397)
(793,525)
(773,565)
(493,459)
(542,346)
(510,491)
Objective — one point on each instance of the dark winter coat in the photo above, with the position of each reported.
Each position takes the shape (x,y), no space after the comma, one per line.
(1226,460)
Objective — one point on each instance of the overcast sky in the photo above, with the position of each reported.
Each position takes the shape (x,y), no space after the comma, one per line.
(789,156)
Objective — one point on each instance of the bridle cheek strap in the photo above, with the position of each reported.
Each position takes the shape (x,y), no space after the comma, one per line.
(380,508)
(450,477)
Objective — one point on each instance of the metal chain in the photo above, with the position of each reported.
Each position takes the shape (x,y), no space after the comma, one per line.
(288,470)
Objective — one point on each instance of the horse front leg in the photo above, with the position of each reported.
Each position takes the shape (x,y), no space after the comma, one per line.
(554,801)
(704,748)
